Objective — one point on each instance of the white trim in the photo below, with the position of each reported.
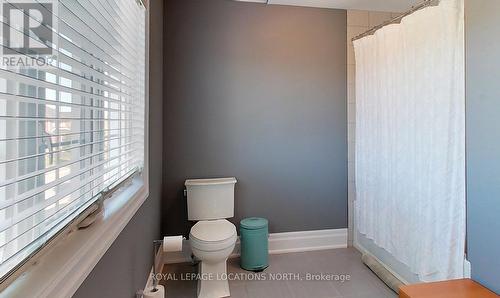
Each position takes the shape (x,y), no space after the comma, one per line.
(149,284)
(307,241)
(280,243)
(467,269)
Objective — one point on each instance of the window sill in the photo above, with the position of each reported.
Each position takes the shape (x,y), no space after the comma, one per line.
(61,268)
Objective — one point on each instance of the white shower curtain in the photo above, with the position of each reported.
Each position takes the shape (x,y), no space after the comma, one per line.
(410,140)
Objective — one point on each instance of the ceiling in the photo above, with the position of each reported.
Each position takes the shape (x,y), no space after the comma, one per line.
(376,5)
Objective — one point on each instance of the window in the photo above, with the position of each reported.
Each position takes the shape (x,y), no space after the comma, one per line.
(72,113)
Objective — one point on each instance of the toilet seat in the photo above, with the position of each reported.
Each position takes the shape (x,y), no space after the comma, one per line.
(212,235)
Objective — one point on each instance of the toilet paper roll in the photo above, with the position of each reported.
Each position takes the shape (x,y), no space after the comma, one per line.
(172,243)
(152,293)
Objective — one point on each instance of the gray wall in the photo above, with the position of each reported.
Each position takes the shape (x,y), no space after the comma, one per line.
(483,140)
(125,267)
(257,92)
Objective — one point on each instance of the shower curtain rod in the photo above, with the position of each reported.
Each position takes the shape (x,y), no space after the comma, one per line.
(397,19)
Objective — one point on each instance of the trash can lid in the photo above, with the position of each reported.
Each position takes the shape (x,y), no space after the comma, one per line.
(253,223)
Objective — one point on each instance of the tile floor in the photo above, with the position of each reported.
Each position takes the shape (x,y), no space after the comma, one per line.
(287,276)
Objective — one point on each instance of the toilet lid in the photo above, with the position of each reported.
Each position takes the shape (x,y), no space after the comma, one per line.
(213,230)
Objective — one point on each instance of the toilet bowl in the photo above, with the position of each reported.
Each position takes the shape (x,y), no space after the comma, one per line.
(212,242)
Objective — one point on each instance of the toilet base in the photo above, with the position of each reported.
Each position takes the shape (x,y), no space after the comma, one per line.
(213,282)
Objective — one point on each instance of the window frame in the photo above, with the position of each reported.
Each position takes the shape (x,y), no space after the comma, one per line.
(61,266)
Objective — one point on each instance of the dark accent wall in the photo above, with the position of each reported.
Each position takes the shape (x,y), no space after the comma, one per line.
(483,140)
(259,93)
(126,265)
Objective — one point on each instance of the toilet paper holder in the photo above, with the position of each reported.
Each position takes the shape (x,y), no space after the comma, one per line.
(156,245)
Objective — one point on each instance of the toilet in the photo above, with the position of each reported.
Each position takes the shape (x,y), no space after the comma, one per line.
(212,238)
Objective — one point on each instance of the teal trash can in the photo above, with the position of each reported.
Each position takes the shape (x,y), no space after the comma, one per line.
(254,243)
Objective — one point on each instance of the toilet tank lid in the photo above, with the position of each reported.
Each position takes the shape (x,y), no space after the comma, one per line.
(216,181)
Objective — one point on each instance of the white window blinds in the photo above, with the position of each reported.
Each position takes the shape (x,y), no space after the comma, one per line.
(72,125)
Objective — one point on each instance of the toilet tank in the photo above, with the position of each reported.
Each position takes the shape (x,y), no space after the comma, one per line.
(210,198)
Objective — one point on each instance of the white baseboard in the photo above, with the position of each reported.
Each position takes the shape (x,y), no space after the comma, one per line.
(279,243)
(307,241)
